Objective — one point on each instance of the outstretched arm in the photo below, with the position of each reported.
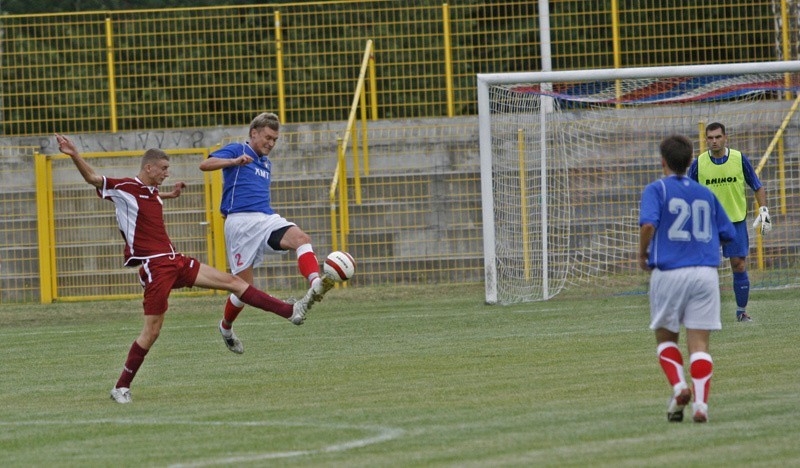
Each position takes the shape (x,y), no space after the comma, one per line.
(212,163)
(66,146)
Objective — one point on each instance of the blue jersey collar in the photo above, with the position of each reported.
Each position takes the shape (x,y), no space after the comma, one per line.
(718,160)
(261,158)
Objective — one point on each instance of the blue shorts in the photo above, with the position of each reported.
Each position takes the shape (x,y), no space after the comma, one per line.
(740,246)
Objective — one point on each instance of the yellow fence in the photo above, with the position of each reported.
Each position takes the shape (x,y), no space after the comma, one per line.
(340,229)
(184,68)
(419,220)
(19,259)
(80,247)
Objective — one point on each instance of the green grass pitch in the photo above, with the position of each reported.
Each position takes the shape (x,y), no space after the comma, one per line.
(393,377)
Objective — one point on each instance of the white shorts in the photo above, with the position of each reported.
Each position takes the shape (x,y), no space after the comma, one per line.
(685,296)
(246,237)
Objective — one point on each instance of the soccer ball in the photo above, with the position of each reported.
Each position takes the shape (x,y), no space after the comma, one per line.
(339,266)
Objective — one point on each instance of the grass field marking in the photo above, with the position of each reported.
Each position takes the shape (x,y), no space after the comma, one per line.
(384,434)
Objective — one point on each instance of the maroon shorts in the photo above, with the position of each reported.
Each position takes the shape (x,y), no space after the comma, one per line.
(160,275)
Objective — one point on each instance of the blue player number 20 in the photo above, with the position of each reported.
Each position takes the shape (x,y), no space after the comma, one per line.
(690,220)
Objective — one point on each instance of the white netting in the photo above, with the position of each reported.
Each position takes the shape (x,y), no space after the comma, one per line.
(600,146)
(519,140)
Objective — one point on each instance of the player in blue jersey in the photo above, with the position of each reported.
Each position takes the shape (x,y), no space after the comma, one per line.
(681,226)
(252,228)
(725,171)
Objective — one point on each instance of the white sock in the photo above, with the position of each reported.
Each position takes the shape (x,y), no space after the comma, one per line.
(236,302)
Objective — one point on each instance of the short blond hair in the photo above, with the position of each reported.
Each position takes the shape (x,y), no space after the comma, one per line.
(265,119)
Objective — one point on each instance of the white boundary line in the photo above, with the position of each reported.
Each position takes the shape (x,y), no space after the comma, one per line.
(384,434)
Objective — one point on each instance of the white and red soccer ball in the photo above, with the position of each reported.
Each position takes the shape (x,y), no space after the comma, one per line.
(340,266)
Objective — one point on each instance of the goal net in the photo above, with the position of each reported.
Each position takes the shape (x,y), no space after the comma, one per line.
(565,156)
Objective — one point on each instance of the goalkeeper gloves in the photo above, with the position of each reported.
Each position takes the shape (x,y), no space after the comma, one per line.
(763,219)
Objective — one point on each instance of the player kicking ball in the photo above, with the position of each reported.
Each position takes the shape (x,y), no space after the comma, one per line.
(253,229)
(681,226)
(139,210)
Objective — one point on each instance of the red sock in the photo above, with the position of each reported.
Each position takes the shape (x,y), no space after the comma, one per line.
(701,368)
(671,360)
(230,314)
(308,265)
(264,301)
(135,358)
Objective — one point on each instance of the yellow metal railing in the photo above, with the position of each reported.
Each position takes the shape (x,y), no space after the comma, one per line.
(701,135)
(44,210)
(20,225)
(112,91)
(777,140)
(448,61)
(280,68)
(213,184)
(340,229)
(70,221)
(523,204)
(420,220)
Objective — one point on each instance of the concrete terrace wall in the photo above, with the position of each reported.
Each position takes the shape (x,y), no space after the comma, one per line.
(426,161)
(421,218)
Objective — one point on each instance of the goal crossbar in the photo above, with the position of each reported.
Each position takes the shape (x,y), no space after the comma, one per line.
(605,74)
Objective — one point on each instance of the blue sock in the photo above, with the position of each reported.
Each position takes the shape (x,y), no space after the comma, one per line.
(741,288)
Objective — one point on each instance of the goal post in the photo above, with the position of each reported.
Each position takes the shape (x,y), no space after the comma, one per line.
(565,154)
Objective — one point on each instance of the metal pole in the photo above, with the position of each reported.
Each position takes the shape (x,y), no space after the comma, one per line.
(448,62)
(2,38)
(545,107)
(112,90)
(279,62)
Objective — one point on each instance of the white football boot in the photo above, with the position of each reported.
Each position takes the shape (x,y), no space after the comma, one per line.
(300,309)
(679,399)
(700,411)
(231,340)
(121,395)
(320,286)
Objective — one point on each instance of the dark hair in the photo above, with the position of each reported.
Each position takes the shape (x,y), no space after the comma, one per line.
(715,126)
(677,152)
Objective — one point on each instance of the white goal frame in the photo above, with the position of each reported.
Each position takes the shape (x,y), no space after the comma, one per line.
(545,79)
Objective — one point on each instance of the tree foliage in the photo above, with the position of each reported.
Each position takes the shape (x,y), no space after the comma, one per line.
(24,7)
(209,67)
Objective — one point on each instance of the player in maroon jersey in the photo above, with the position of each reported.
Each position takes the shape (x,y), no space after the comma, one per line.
(140,218)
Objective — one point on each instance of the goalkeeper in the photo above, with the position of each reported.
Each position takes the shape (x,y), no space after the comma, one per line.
(725,171)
